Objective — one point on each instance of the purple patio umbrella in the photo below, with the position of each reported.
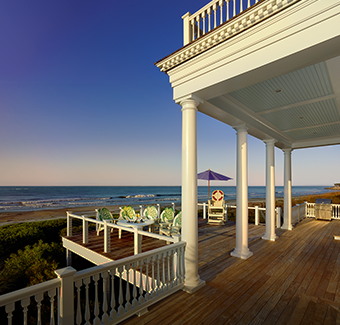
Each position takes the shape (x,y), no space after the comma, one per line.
(212,176)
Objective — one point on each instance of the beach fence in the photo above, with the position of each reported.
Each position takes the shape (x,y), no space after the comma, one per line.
(104,294)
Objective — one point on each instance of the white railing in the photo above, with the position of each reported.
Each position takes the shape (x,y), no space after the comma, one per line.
(299,212)
(212,15)
(23,297)
(127,286)
(311,214)
(258,211)
(310,210)
(138,233)
(335,211)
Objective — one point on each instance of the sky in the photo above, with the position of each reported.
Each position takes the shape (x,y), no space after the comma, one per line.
(81,102)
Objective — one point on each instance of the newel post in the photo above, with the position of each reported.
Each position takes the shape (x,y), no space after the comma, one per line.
(257,217)
(85,231)
(107,238)
(187,37)
(66,299)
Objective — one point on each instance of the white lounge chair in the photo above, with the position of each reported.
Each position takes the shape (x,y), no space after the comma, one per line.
(216,208)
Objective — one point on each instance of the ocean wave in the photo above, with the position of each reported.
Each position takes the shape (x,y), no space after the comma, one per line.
(137,196)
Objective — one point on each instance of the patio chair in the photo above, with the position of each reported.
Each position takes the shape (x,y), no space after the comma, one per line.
(151,212)
(104,214)
(167,216)
(128,213)
(172,229)
(216,208)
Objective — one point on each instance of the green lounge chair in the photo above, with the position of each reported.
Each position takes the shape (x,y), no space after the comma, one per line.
(104,214)
(128,213)
(172,229)
(151,212)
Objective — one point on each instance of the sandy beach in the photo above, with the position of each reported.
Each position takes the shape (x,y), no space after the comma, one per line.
(25,216)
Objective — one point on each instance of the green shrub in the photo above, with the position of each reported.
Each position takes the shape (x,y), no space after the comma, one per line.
(16,236)
(33,265)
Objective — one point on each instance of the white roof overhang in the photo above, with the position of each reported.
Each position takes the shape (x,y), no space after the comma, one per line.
(281,76)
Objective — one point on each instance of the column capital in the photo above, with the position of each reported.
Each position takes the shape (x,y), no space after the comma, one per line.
(189,99)
(287,150)
(241,127)
(269,141)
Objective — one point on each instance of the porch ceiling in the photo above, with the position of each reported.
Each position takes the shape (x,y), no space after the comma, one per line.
(302,107)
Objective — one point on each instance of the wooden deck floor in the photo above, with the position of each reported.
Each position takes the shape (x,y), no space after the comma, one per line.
(294,280)
(120,248)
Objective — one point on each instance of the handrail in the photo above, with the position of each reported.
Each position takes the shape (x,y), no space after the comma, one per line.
(212,15)
(29,291)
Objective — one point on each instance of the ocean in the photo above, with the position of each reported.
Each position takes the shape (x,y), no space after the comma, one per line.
(29,198)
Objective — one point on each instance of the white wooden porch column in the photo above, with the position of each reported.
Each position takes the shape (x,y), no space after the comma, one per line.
(287,205)
(241,250)
(270,191)
(189,193)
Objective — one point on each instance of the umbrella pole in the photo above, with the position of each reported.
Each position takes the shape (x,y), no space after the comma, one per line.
(208,189)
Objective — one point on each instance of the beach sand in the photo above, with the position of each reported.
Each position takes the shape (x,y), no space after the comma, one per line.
(25,216)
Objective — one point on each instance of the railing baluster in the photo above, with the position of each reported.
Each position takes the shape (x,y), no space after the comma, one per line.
(113,299)
(158,280)
(147,279)
(127,297)
(248,4)
(140,300)
(24,303)
(169,279)
(78,284)
(173,254)
(163,273)
(182,249)
(193,30)
(234,8)
(209,19)
(9,311)
(241,6)
(198,27)
(105,317)
(134,293)
(203,21)
(215,19)
(96,320)
(38,298)
(152,261)
(227,4)
(221,11)
(87,281)
(120,299)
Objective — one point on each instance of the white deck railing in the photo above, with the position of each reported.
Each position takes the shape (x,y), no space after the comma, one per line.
(141,280)
(311,214)
(212,15)
(257,209)
(108,226)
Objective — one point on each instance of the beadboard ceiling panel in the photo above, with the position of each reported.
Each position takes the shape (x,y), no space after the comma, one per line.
(320,112)
(298,86)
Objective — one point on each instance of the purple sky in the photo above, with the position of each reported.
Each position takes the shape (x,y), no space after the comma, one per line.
(81,102)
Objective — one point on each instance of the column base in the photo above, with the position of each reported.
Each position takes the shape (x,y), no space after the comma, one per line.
(241,254)
(287,227)
(270,237)
(194,288)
